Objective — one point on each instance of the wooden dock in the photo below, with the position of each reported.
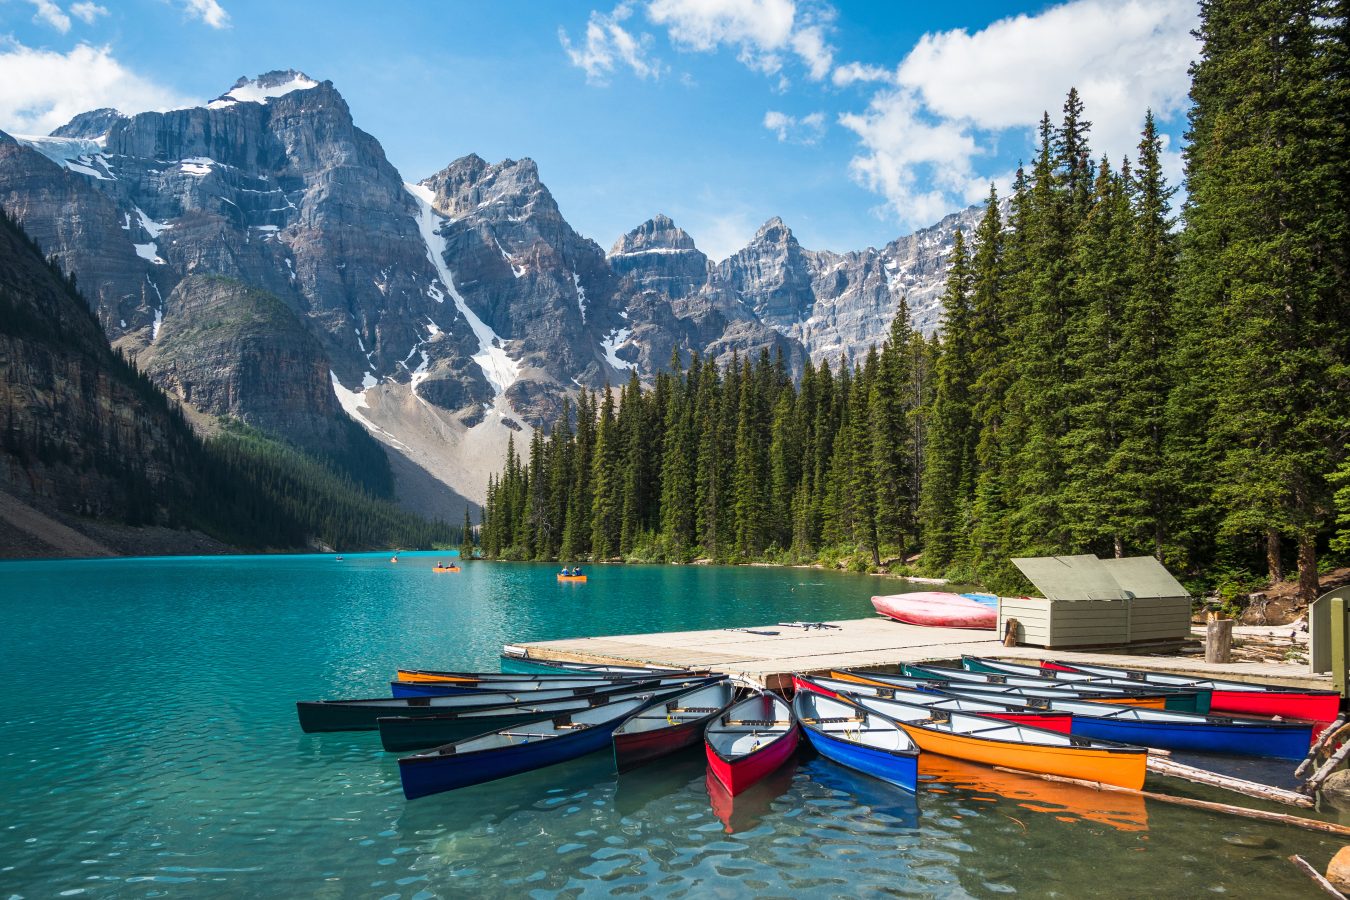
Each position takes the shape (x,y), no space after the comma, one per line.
(770,659)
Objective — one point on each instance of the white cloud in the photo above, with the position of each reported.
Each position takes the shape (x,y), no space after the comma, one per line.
(87,12)
(790,129)
(763,32)
(856,72)
(608,45)
(956,93)
(208,11)
(50,14)
(42,89)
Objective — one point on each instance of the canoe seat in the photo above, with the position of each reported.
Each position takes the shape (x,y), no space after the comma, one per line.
(756,722)
(835,721)
(693,709)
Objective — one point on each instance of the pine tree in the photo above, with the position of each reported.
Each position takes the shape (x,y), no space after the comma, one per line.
(607,478)
(949,464)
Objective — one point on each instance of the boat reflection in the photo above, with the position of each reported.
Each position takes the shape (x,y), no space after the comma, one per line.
(641,787)
(1124,812)
(745,810)
(881,799)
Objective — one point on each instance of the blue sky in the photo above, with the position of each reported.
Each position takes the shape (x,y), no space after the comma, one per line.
(855,122)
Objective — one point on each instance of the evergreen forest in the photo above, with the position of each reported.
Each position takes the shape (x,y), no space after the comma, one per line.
(1119,371)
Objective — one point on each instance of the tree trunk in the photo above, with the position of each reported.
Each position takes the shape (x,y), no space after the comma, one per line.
(1273,557)
(1118,545)
(1308,582)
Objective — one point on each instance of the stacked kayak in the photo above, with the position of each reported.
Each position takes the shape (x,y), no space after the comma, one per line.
(978,738)
(937,609)
(1227,696)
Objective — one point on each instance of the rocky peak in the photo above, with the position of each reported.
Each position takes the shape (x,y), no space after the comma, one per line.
(774,231)
(90,125)
(772,275)
(510,189)
(265,87)
(657,234)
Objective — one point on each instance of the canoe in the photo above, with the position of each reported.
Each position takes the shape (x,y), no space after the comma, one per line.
(509,751)
(750,740)
(519,683)
(1171,730)
(399,734)
(1176,695)
(1013,693)
(445,568)
(1230,696)
(1006,711)
(676,724)
(1158,698)
(842,731)
(485,680)
(936,609)
(577,578)
(994,743)
(523,665)
(362,714)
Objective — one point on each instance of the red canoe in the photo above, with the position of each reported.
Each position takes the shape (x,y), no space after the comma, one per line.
(1232,696)
(750,740)
(937,609)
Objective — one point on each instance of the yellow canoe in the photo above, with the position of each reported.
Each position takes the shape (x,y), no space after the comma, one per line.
(571,577)
(445,568)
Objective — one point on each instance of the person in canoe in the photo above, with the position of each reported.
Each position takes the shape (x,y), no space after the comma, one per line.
(576,570)
(565,571)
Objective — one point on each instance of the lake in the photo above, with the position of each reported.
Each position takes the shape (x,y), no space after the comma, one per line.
(149,747)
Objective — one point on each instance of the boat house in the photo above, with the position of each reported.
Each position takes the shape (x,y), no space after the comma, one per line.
(1091,602)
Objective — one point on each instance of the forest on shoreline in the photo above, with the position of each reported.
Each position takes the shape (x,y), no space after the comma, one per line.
(1109,378)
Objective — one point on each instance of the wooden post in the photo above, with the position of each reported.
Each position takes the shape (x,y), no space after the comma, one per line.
(1010,633)
(1218,640)
(1338,644)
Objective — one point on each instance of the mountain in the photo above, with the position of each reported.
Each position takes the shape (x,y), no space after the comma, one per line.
(95,459)
(261,260)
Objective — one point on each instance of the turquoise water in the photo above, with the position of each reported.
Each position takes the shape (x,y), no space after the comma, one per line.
(148,747)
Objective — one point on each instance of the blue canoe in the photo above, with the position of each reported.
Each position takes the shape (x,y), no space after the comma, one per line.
(844,732)
(510,751)
(1171,730)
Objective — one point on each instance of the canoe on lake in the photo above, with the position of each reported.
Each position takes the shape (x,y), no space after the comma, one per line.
(485,679)
(521,683)
(750,740)
(842,731)
(1016,694)
(1230,696)
(1171,730)
(1001,667)
(1004,710)
(402,733)
(362,715)
(1161,698)
(994,743)
(676,724)
(523,747)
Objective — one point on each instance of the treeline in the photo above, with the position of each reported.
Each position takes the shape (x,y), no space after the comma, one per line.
(283,497)
(729,463)
(1105,382)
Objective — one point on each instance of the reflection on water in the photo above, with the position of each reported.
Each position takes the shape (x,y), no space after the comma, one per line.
(148,747)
